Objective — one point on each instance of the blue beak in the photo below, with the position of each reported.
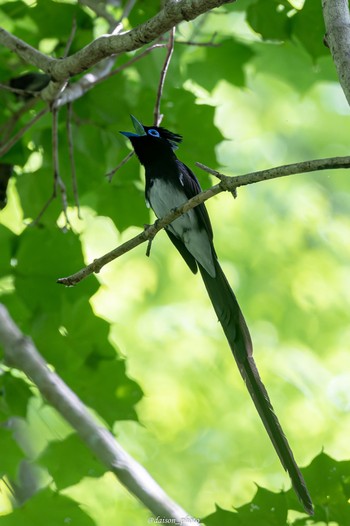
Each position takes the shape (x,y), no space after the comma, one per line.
(138,128)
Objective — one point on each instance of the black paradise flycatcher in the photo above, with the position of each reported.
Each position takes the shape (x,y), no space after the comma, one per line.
(170,183)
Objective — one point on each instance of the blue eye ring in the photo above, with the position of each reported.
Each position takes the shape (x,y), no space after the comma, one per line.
(153,132)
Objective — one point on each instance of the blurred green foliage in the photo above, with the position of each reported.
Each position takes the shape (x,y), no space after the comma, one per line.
(139,343)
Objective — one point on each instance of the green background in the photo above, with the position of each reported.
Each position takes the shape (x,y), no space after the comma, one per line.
(140,343)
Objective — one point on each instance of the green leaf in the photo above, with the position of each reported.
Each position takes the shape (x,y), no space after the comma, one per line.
(123,203)
(34,190)
(266,509)
(15,394)
(270,19)
(308,27)
(328,481)
(11,453)
(142,12)
(222,517)
(18,154)
(7,242)
(102,384)
(224,62)
(73,453)
(44,255)
(280,61)
(48,508)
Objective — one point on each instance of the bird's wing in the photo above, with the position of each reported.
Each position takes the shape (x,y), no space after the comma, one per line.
(191,188)
(186,254)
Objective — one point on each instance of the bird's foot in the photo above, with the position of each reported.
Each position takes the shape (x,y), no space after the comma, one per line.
(151,236)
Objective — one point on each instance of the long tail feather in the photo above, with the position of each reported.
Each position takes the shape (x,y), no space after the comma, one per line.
(233,323)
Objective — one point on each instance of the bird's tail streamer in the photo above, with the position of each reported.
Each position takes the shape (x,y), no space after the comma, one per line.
(235,328)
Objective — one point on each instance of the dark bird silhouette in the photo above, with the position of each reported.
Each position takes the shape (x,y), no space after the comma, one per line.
(170,183)
(33,82)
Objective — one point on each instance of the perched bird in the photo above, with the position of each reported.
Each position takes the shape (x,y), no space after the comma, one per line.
(170,183)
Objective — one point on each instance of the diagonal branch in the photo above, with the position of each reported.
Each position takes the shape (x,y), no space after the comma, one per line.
(6,147)
(21,353)
(90,80)
(227,183)
(7,128)
(25,51)
(60,70)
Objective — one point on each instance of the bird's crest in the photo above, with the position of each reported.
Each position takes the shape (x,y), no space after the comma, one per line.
(174,138)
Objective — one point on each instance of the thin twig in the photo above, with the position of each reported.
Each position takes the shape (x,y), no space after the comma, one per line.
(104,46)
(157,117)
(73,92)
(217,174)
(100,10)
(66,99)
(89,81)
(58,182)
(226,184)
(129,5)
(126,12)
(110,174)
(71,157)
(7,128)
(124,161)
(71,37)
(36,221)
(54,142)
(6,147)
(229,183)
(19,91)
(197,44)
(55,158)
(192,42)
(64,199)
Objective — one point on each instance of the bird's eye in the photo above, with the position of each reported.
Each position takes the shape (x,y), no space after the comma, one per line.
(153,132)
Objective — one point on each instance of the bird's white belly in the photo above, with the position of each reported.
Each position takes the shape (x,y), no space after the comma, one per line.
(163,198)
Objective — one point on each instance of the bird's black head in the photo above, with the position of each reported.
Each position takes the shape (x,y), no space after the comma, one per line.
(152,142)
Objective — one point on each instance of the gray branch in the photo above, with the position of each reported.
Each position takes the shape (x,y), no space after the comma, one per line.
(337,22)
(227,183)
(174,12)
(21,353)
(25,51)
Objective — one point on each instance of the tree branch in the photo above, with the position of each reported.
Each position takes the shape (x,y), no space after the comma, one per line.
(227,183)
(337,21)
(21,353)
(231,183)
(60,70)
(90,80)
(25,51)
